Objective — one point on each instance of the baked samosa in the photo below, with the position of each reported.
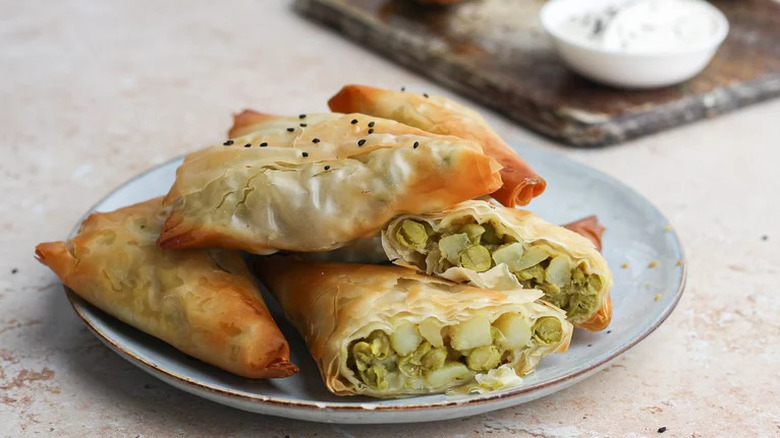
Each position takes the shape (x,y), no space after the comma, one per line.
(316,182)
(387,331)
(500,248)
(204,303)
(443,116)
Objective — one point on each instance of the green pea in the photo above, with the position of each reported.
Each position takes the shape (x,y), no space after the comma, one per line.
(412,234)
(548,330)
(475,257)
(474,231)
(483,358)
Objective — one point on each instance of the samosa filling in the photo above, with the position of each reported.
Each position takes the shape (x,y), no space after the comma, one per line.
(480,247)
(429,355)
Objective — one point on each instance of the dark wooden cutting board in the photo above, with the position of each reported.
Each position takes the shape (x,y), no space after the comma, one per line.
(496,52)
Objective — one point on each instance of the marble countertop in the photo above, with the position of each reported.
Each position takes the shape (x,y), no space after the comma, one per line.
(92,93)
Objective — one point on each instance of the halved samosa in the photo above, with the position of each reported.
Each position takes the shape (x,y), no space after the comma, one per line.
(204,303)
(443,116)
(387,331)
(317,182)
(500,248)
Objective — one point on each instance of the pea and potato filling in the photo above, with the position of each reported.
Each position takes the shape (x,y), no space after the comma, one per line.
(429,355)
(480,247)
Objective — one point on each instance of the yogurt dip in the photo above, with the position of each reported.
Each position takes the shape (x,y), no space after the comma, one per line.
(643,26)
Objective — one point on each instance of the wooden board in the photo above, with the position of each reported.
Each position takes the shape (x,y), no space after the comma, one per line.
(496,52)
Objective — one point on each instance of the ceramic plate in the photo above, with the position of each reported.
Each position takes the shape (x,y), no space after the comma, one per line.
(636,234)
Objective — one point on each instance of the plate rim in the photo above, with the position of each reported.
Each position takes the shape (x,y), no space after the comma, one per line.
(162,373)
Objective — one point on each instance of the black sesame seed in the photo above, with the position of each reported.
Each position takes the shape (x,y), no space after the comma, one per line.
(765,237)
(662,429)
(609,331)
(590,345)
(228,143)
(361,142)
(301,116)
(327,167)
(417,143)
(426,96)
(290,129)
(263,144)
(303,125)
(305,154)
(371,124)
(248,145)
(315,140)
(403,88)
(14,271)
(370,131)
(353,121)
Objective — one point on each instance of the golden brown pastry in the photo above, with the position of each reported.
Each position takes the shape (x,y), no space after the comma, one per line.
(501,248)
(443,116)
(316,182)
(386,331)
(589,227)
(203,302)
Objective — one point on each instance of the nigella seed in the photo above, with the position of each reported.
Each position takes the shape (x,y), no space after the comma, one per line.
(305,154)
(228,143)
(248,145)
(417,143)
(303,125)
(370,131)
(263,144)
(371,124)
(316,140)
(301,116)
(290,129)
(361,142)
(353,121)
(327,167)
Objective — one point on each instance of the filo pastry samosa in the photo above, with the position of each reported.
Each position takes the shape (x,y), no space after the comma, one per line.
(387,331)
(205,303)
(499,248)
(443,116)
(315,182)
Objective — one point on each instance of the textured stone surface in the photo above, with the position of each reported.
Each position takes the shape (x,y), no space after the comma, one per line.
(92,93)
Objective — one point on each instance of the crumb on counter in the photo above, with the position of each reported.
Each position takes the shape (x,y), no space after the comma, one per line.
(679,263)
(652,264)
(624,266)
(657,297)
(668,227)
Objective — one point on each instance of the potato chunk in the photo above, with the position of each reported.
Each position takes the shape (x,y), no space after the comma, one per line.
(431,331)
(451,372)
(515,328)
(405,339)
(471,334)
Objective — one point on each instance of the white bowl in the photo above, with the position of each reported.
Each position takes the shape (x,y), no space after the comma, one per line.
(622,68)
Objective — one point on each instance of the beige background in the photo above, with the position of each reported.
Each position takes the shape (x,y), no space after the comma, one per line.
(92,93)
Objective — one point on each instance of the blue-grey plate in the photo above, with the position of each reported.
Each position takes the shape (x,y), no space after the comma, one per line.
(637,234)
